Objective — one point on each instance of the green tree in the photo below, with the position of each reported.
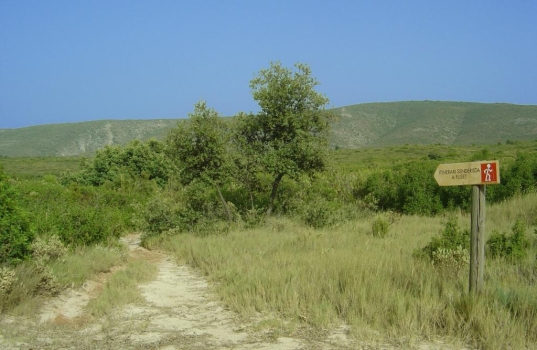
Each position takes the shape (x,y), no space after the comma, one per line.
(200,148)
(246,158)
(290,133)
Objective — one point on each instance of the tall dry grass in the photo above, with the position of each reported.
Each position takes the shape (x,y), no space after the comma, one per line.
(324,277)
(29,288)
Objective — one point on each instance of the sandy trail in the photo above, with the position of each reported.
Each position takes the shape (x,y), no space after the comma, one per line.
(179,312)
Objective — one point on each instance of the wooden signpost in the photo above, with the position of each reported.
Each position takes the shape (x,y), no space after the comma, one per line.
(477,174)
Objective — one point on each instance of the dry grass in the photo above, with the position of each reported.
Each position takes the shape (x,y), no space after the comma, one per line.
(26,294)
(122,288)
(324,277)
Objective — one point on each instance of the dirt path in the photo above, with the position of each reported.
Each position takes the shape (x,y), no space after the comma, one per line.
(179,312)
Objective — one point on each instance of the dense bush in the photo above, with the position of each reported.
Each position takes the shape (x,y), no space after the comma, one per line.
(77,214)
(16,235)
(412,189)
(409,189)
(512,247)
(450,244)
(518,178)
(319,201)
(135,160)
(319,213)
(162,214)
(193,208)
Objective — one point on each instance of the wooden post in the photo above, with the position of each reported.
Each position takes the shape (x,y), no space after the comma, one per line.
(477,243)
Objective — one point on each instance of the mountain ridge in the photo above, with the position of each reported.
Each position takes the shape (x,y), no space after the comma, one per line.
(377,124)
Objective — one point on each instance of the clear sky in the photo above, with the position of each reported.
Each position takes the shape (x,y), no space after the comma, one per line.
(69,61)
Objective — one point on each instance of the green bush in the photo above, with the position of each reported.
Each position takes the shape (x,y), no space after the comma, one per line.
(409,189)
(519,178)
(16,235)
(78,215)
(136,160)
(513,247)
(253,217)
(379,228)
(452,239)
(163,214)
(318,213)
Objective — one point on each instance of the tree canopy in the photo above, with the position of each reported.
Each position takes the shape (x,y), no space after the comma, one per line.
(290,133)
(200,148)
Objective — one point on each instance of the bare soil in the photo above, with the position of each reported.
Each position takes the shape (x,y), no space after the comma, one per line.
(179,312)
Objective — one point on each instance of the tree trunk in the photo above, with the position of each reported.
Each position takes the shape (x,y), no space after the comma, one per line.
(275,185)
(224,203)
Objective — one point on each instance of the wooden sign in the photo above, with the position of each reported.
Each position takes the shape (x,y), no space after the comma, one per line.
(477,174)
(472,173)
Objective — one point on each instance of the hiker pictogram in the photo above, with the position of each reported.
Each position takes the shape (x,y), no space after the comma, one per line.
(488,172)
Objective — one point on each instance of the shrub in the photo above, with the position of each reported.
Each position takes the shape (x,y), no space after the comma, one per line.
(78,215)
(47,283)
(16,234)
(253,217)
(137,160)
(82,225)
(379,228)
(7,278)
(451,240)
(409,189)
(48,250)
(513,247)
(166,214)
(451,260)
(318,213)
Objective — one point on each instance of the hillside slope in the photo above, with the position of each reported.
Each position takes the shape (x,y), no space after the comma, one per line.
(75,139)
(362,125)
(431,122)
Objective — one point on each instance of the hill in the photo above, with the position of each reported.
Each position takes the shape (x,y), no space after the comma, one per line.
(432,122)
(75,139)
(358,126)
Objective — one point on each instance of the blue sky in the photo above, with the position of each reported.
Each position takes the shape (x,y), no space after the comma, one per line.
(69,61)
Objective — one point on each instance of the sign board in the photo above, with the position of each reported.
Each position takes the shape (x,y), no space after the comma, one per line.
(472,173)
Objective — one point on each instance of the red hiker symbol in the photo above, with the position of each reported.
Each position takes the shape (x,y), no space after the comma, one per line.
(488,172)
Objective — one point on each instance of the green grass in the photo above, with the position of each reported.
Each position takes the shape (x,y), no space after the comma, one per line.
(324,277)
(37,167)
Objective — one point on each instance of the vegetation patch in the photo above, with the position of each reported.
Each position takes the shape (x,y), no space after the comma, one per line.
(512,247)
(122,288)
(283,224)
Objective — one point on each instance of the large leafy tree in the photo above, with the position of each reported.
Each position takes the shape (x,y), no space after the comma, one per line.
(290,133)
(200,148)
